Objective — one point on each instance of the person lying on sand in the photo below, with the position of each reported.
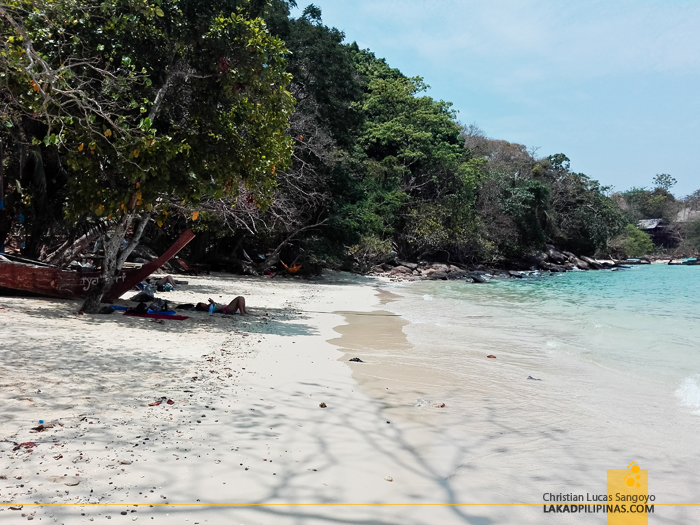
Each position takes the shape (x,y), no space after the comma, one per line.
(238,304)
(160,283)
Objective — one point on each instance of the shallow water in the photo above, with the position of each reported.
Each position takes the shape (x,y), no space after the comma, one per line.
(643,322)
(617,354)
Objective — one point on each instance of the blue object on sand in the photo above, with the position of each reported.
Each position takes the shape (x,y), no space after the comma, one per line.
(125,308)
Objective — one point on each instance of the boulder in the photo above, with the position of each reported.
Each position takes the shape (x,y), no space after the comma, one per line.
(517,275)
(535,260)
(553,267)
(439,267)
(592,263)
(555,256)
(438,275)
(410,265)
(458,274)
(399,270)
(478,278)
(581,264)
(378,269)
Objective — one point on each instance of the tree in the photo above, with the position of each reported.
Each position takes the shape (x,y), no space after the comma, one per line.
(632,243)
(664,181)
(182,99)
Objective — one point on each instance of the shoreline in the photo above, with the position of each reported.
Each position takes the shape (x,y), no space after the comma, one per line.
(259,439)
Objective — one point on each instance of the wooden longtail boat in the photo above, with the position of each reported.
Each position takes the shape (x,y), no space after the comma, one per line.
(55,282)
(684,262)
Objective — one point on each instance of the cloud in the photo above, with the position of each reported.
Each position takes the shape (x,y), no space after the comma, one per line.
(575,39)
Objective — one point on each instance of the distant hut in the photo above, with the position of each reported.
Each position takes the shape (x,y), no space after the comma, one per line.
(662,234)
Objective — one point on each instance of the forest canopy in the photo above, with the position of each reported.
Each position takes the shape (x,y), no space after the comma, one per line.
(268,134)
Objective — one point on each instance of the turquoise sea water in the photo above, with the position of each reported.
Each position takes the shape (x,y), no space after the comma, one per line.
(617,356)
(644,321)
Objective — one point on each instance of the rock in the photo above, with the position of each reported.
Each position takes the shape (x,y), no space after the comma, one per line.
(581,264)
(356,360)
(401,270)
(378,269)
(555,256)
(592,263)
(386,267)
(478,278)
(438,275)
(410,265)
(534,379)
(106,310)
(556,268)
(439,267)
(535,260)
(458,274)
(491,356)
(322,405)
(517,275)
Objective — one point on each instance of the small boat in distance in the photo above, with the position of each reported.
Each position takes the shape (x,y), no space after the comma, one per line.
(43,279)
(642,260)
(684,262)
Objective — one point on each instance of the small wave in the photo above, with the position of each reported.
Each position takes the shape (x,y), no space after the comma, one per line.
(427,297)
(689,392)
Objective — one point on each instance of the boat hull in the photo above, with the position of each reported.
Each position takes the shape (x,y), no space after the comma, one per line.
(55,282)
(52,282)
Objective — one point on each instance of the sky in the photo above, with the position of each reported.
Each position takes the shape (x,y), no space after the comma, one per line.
(614,85)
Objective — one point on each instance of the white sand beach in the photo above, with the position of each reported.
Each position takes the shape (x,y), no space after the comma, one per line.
(244,427)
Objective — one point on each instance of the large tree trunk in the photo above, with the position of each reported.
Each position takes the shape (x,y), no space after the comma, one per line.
(114,258)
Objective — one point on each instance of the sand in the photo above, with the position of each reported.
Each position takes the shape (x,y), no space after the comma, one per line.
(239,437)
